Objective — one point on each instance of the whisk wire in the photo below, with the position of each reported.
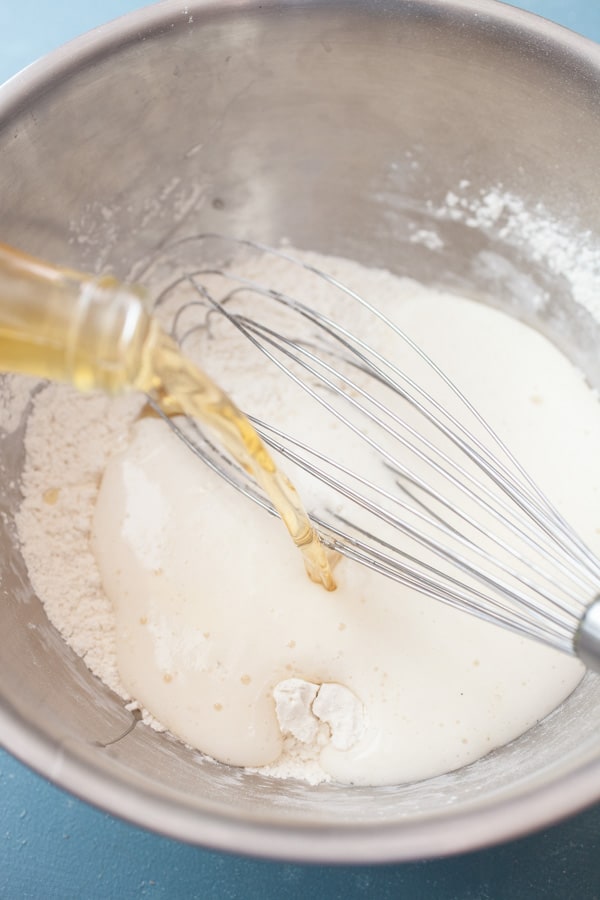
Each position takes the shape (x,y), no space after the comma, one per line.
(529,571)
(251,330)
(435,584)
(543,515)
(384,515)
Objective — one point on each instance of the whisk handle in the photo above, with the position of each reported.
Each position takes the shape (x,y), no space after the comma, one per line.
(587,637)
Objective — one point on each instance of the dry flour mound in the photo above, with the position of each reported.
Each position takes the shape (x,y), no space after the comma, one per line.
(70,439)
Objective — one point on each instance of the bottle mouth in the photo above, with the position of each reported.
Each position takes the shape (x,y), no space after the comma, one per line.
(106,345)
(68,326)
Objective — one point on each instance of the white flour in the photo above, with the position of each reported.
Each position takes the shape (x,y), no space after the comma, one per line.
(70,438)
(541,236)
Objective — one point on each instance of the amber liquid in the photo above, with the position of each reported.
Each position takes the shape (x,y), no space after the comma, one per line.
(180,387)
(60,324)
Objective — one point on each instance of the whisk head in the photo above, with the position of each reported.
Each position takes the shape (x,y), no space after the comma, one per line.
(398,469)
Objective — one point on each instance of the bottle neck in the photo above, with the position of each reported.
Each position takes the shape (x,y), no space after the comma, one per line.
(64,325)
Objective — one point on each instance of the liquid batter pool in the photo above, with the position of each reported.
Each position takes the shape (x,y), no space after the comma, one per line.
(221,636)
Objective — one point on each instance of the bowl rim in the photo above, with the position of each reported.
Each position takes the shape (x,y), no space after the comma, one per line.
(140,24)
(452,832)
(68,766)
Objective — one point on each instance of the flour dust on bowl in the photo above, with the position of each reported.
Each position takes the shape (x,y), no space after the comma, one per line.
(389,137)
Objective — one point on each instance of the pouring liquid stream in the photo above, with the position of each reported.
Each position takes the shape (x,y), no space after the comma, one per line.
(96,334)
(181,387)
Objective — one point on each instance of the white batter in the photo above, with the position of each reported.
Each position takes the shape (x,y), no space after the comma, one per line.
(222,637)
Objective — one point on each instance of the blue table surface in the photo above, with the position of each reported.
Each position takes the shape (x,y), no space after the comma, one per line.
(54,846)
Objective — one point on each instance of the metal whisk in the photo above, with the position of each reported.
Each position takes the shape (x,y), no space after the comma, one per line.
(441,505)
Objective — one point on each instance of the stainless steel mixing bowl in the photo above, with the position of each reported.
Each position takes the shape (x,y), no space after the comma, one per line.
(405,134)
